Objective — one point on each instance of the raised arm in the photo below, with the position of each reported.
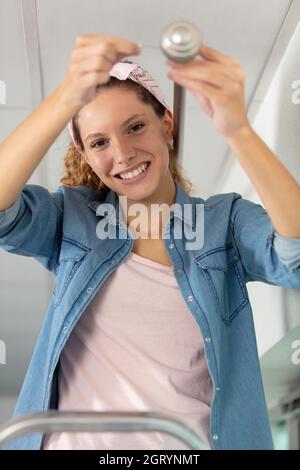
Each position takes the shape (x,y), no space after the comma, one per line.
(217,82)
(22,151)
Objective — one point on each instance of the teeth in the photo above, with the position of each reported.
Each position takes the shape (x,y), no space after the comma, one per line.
(137,171)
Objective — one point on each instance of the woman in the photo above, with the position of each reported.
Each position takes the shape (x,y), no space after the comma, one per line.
(145,320)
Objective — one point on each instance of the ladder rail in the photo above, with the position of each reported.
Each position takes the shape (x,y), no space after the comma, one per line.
(79,421)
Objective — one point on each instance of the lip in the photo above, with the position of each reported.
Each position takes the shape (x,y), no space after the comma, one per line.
(134,167)
(137,178)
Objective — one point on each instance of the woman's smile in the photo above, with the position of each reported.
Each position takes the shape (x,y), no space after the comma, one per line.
(131,178)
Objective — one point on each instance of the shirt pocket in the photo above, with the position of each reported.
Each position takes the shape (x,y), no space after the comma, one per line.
(71,256)
(222,269)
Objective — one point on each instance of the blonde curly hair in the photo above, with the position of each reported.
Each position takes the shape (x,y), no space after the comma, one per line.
(78,172)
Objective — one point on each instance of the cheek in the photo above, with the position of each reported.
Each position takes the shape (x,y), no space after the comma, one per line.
(99,164)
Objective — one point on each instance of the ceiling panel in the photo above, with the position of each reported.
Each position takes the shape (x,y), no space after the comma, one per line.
(13,66)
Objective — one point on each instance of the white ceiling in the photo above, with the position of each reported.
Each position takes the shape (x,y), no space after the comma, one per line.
(36,39)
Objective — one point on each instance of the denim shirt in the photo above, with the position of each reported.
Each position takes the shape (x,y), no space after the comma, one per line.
(60,230)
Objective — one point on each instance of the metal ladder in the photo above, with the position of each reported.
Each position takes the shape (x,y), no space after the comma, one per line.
(54,421)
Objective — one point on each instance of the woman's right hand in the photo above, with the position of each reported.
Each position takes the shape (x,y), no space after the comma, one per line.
(91,60)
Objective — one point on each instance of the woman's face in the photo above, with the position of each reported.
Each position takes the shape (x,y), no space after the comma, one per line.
(119,132)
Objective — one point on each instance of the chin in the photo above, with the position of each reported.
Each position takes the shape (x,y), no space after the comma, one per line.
(138,193)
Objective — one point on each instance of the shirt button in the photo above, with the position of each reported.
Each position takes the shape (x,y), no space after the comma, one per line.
(179,270)
(171,246)
(89,290)
(215,437)
(207,339)
(217,389)
(65,330)
(190,298)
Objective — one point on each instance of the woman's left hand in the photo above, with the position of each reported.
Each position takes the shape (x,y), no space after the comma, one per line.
(217,82)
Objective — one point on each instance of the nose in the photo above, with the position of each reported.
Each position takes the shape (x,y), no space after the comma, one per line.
(123,152)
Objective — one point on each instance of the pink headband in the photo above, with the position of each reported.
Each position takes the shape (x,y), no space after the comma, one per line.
(122,71)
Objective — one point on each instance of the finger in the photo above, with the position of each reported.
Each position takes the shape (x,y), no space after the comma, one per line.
(204,69)
(204,101)
(123,47)
(213,55)
(200,86)
(94,78)
(94,64)
(98,49)
(217,79)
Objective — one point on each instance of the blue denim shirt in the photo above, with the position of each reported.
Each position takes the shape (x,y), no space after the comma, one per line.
(240,245)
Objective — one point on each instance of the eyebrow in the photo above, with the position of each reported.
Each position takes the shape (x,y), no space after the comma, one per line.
(98,134)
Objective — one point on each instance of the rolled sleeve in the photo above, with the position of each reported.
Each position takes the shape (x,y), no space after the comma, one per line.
(32,226)
(8,215)
(288,251)
(265,255)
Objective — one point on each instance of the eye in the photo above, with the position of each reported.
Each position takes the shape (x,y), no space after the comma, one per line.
(100,143)
(135,126)
(95,144)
